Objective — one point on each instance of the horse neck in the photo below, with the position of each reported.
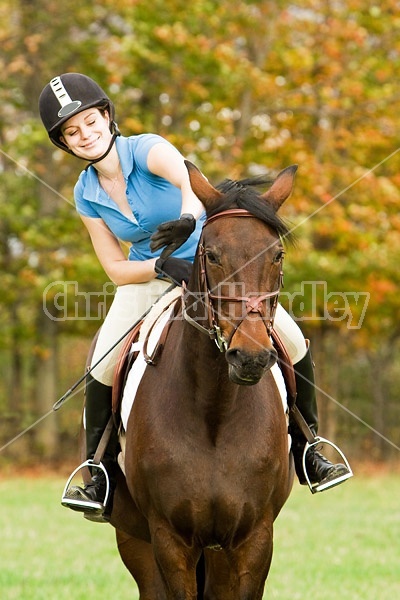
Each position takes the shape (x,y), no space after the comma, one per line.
(217,407)
(205,368)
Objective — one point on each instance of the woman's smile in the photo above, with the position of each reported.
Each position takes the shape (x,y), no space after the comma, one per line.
(91,143)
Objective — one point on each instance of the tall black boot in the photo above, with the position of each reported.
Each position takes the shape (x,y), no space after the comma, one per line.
(321,472)
(90,498)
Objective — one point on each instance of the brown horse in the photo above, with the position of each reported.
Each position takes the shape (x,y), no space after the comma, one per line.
(207,460)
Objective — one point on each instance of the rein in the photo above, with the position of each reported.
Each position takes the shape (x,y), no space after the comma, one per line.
(253,304)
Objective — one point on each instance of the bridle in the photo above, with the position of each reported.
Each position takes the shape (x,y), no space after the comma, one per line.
(253,304)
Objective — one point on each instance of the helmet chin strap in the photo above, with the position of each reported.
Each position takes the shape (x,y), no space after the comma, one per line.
(115,134)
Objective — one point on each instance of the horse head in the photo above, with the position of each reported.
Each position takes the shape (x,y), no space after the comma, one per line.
(237,274)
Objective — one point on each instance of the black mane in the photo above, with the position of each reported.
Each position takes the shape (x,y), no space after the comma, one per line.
(243,194)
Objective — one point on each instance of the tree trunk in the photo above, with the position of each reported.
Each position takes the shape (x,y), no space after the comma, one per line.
(326,381)
(46,434)
(378,375)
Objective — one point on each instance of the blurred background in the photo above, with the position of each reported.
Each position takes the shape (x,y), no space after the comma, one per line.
(240,92)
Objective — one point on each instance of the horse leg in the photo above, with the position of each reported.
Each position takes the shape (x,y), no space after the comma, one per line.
(137,555)
(125,514)
(134,544)
(240,574)
(252,562)
(221,581)
(177,563)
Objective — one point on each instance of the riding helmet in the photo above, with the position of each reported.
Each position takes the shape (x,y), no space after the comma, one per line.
(67,95)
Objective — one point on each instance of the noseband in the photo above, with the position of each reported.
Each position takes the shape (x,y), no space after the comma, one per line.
(253,304)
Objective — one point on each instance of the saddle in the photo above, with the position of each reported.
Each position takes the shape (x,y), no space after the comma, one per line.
(130,351)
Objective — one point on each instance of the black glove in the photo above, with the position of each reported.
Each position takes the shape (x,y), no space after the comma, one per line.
(172,234)
(176,269)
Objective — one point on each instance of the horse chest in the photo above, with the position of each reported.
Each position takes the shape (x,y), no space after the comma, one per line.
(207,492)
(213,461)
(217,506)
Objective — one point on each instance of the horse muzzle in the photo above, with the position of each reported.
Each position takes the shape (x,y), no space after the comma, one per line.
(247,368)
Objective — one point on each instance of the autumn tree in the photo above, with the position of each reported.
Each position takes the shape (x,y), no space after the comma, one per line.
(240,92)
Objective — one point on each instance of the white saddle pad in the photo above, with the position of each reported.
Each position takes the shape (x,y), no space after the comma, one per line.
(138,368)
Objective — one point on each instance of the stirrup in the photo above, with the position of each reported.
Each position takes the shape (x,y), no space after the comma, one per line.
(86,505)
(320,487)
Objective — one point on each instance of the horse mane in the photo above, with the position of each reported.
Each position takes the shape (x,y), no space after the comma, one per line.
(243,194)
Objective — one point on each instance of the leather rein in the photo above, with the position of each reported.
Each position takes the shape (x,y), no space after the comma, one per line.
(253,304)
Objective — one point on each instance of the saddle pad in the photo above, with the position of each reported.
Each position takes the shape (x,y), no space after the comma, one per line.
(136,372)
(280,384)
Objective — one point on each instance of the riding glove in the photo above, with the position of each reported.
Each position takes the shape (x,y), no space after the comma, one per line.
(172,234)
(176,269)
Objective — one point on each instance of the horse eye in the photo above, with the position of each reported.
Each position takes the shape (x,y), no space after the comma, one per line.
(279,257)
(212,258)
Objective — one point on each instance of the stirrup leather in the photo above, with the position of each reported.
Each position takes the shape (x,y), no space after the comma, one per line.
(320,487)
(86,505)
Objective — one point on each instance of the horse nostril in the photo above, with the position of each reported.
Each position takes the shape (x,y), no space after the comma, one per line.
(273,355)
(267,358)
(234,357)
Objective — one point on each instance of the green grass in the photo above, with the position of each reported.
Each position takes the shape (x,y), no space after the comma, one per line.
(340,545)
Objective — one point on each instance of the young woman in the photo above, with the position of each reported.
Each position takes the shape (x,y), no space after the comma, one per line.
(136,189)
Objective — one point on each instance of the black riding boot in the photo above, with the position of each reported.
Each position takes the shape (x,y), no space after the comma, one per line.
(321,472)
(90,498)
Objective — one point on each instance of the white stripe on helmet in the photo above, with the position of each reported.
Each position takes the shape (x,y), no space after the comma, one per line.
(68,106)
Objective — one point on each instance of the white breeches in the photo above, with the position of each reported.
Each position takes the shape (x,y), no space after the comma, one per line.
(129,304)
(133,300)
(290,334)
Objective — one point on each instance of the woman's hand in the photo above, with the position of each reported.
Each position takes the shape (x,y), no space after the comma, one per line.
(176,269)
(172,234)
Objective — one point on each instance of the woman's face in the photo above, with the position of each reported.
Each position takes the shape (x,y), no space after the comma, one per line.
(87,134)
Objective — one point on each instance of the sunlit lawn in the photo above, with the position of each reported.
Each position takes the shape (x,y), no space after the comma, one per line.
(340,545)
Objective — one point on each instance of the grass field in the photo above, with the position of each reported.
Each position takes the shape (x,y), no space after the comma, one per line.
(343,544)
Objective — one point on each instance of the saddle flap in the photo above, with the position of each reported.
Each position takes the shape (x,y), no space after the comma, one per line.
(150,351)
(124,362)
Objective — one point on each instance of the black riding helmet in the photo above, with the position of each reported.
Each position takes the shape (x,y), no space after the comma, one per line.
(67,95)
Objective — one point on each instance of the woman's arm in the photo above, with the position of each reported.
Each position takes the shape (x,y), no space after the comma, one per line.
(165,161)
(109,252)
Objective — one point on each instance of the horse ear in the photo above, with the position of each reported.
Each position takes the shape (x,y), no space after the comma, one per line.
(205,192)
(282,187)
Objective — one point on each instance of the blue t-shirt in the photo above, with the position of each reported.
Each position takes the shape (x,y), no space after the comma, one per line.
(152,199)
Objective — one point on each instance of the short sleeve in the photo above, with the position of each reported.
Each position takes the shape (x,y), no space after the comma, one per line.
(144,143)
